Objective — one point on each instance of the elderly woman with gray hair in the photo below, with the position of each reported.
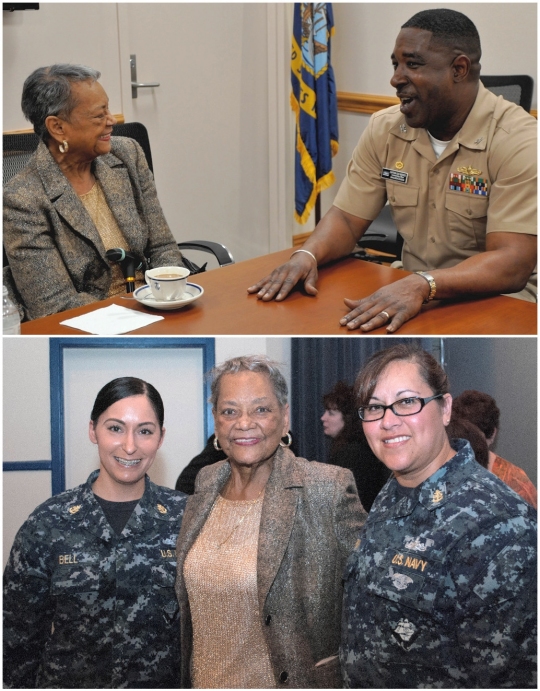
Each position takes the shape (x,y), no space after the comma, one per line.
(262,547)
(82,193)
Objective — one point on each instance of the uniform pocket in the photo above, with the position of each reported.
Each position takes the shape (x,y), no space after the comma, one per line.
(163,580)
(73,578)
(467,219)
(403,202)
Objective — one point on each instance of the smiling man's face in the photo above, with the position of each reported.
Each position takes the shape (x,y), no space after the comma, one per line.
(424,80)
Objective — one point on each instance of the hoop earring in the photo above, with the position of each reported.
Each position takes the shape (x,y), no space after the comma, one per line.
(217,447)
(289,440)
(64,147)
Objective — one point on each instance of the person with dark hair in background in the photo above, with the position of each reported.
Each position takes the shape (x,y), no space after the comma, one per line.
(82,193)
(209,455)
(89,597)
(457,165)
(440,591)
(482,410)
(458,428)
(349,448)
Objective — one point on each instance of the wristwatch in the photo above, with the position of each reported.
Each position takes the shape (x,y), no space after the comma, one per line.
(432,285)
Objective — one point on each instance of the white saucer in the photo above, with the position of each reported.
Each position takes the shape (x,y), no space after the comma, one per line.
(145,297)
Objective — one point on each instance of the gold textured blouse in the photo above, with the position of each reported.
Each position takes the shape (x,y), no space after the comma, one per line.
(111,235)
(220,571)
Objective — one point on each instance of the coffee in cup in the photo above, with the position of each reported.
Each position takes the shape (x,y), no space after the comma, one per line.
(167,282)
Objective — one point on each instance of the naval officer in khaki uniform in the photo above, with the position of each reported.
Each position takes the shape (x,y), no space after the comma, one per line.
(457,165)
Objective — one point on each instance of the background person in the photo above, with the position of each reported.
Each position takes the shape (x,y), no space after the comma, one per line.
(82,193)
(463,429)
(447,125)
(262,546)
(349,448)
(89,597)
(441,590)
(482,410)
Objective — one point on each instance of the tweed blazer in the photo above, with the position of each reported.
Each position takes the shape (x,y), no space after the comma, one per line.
(311,519)
(56,255)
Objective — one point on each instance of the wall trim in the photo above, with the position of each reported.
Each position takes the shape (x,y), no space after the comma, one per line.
(26,465)
(372,103)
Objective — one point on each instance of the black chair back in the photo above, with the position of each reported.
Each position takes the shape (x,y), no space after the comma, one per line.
(517,88)
(19,147)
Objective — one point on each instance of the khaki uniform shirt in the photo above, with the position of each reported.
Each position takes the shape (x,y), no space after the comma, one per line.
(442,226)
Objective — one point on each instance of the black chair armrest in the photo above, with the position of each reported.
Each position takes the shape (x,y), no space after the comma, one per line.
(220,252)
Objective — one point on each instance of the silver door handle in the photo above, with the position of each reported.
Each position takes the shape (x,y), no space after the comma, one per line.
(134,83)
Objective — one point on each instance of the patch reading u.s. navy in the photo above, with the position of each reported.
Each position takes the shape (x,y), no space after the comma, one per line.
(395,175)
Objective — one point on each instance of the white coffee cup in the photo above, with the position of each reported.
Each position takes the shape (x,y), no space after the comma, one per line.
(167,282)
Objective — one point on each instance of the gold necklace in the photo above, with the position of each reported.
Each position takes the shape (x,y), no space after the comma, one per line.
(252,503)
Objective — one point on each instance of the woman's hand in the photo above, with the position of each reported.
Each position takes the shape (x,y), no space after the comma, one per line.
(390,306)
(282,280)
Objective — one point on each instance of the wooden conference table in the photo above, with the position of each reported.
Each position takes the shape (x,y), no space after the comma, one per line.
(226,308)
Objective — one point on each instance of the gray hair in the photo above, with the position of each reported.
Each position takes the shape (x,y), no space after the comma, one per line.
(47,91)
(261,364)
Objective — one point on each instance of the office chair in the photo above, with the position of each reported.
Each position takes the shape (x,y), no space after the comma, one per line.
(516,88)
(383,237)
(18,148)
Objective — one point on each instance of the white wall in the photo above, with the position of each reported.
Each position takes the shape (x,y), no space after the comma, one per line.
(26,420)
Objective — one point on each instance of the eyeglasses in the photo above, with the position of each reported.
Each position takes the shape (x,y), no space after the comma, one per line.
(403,407)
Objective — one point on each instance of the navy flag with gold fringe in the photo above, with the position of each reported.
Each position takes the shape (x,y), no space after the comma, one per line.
(313,99)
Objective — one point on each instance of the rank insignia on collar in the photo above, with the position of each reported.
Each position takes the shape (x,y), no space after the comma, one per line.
(161,509)
(402,128)
(437,496)
(399,165)
(75,509)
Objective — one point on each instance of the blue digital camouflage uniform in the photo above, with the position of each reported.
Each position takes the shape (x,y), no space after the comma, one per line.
(441,590)
(86,608)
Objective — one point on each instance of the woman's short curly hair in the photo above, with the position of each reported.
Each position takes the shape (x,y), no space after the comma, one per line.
(47,91)
(480,409)
(261,364)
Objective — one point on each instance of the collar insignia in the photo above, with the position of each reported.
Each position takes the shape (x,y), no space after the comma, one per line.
(75,509)
(437,496)
(161,508)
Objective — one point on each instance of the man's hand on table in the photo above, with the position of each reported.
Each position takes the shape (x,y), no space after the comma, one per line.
(278,284)
(390,306)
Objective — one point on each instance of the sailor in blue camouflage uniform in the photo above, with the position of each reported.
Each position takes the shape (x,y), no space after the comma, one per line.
(86,606)
(440,591)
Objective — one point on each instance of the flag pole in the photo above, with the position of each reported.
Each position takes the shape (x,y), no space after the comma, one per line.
(318,209)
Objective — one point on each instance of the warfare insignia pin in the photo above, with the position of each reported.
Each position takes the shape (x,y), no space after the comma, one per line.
(437,496)
(161,509)
(467,170)
(75,509)
(399,580)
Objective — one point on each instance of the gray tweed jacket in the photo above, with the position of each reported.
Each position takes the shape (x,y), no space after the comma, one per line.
(311,519)
(55,253)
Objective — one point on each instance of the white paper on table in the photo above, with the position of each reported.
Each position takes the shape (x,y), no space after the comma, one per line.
(111,321)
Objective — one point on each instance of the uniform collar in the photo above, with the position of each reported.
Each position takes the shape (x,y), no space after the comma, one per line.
(86,510)
(474,132)
(437,489)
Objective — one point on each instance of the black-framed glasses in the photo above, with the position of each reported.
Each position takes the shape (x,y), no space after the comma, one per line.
(405,406)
